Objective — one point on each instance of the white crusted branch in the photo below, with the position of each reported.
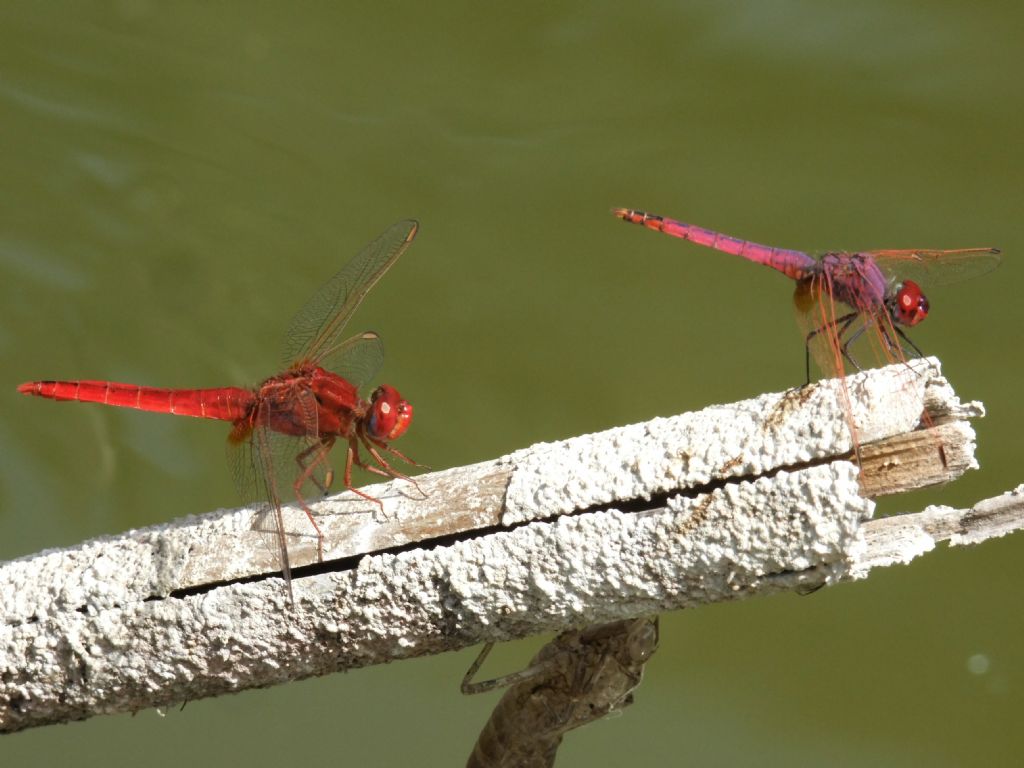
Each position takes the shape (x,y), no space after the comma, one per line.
(726,502)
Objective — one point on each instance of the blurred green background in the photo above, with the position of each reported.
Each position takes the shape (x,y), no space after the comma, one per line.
(178,179)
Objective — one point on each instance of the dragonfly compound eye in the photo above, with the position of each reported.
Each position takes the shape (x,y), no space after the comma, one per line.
(911,303)
(390,415)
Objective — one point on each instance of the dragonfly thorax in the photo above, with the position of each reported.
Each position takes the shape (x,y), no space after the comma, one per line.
(853,279)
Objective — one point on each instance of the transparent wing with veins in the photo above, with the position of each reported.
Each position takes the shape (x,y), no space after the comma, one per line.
(930,267)
(358,358)
(257,468)
(314,333)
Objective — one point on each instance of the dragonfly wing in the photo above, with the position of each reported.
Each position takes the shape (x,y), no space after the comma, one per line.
(314,332)
(817,315)
(930,267)
(357,359)
(253,470)
(266,465)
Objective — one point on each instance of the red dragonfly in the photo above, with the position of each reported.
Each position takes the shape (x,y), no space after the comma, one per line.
(283,430)
(873,284)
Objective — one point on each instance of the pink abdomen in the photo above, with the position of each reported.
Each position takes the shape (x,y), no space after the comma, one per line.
(794,264)
(226,403)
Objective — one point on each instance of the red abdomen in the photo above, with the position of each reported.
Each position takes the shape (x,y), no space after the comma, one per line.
(226,403)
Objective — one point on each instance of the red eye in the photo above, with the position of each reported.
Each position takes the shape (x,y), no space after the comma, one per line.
(911,305)
(390,415)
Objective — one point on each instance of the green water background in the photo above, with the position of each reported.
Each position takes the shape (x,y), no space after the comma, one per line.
(177,179)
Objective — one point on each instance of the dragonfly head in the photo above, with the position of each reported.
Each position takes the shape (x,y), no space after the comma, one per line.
(390,415)
(909,305)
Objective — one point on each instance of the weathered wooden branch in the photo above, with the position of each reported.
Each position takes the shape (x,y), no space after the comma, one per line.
(731,501)
(579,677)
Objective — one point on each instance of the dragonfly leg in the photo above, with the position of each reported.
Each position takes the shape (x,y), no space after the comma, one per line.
(309,473)
(385,469)
(844,346)
(389,471)
(898,345)
(909,343)
(354,458)
(351,458)
(469,688)
(842,323)
(308,461)
(394,452)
